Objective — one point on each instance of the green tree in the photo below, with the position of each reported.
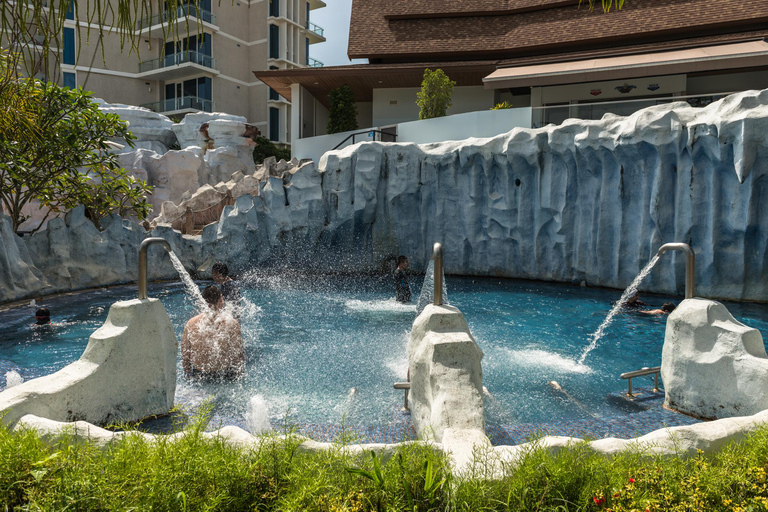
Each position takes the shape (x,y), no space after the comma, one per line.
(60,155)
(343,114)
(434,99)
(266,148)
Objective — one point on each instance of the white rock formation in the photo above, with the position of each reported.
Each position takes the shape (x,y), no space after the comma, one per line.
(153,131)
(127,372)
(712,365)
(446,394)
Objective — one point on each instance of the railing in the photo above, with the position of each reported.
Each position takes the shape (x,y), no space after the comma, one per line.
(191,221)
(690,264)
(182,11)
(368,133)
(314,63)
(406,386)
(318,30)
(175,59)
(437,257)
(640,373)
(556,114)
(182,103)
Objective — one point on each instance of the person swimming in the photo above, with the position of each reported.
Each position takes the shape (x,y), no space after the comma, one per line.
(665,309)
(402,288)
(43,317)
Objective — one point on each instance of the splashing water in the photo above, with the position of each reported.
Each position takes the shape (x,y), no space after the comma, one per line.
(629,292)
(427,295)
(257,415)
(13,378)
(192,288)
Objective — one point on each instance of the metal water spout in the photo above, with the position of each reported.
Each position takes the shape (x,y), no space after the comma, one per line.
(143,261)
(437,257)
(690,262)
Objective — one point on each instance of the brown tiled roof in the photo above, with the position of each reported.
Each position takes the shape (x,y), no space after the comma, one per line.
(550,27)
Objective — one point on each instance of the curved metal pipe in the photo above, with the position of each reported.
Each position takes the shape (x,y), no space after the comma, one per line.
(143,261)
(437,257)
(690,264)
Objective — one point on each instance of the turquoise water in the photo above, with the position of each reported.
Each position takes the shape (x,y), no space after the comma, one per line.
(310,340)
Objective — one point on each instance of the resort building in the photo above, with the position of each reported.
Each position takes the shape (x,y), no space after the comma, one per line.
(552,58)
(208,68)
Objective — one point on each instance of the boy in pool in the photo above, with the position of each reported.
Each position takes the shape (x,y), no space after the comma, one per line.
(665,309)
(229,288)
(402,288)
(212,345)
(42,317)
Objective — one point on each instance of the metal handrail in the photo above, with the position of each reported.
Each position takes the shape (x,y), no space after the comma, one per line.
(175,59)
(405,386)
(640,373)
(182,11)
(690,263)
(317,29)
(314,63)
(437,257)
(366,132)
(182,103)
(143,261)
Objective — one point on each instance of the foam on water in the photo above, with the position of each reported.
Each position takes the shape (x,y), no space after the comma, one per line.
(379,306)
(629,292)
(549,360)
(257,415)
(13,378)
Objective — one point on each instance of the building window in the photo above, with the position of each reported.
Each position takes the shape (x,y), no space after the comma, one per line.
(306,25)
(204,88)
(274,8)
(70,15)
(273,93)
(274,124)
(274,42)
(306,55)
(69,46)
(70,80)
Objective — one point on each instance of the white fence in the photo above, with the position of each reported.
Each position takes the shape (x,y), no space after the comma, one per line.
(485,123)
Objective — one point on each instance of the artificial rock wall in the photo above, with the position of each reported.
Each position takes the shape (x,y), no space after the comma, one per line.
(583,201)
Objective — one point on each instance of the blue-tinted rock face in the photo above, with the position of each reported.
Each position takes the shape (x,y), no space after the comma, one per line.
(584,201)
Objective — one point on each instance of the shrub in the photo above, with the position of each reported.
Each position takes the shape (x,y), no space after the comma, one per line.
(343,114)
(266,148)
(502,106)
(434,99)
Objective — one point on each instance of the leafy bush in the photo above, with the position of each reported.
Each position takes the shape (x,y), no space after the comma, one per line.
(502,106)
(434,98)
(266,148)
(54,148)
(343,114)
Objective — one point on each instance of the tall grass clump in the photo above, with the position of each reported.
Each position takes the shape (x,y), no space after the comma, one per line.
(193,471)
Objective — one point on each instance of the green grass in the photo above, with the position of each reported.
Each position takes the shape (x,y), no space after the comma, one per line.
(197,473)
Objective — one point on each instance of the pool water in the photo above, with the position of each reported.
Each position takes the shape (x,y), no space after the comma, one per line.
(327,349)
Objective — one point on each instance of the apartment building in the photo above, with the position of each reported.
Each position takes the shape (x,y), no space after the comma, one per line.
(207,67)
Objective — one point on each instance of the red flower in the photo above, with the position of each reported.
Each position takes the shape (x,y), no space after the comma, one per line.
(598,501)
(617,495)
(631,480)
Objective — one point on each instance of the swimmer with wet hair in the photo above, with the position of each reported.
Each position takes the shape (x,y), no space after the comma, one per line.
(42,317)
(665,309)
(212,343)
(402,288)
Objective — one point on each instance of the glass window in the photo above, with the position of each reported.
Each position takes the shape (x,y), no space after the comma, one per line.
(69,46)
(274,42)
(170,91)
(274,8)
(307,24)
(71,10)
(70,80)
(274,124)
(204,88)
(306,56)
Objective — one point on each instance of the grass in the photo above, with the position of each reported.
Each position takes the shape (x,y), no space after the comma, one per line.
(193,472)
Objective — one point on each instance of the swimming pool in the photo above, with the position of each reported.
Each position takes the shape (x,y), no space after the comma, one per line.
(310,340)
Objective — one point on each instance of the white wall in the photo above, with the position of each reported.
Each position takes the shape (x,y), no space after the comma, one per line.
(314,147)
(485,123)
(392,106)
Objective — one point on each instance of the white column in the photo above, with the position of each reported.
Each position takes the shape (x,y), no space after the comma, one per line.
(295,114)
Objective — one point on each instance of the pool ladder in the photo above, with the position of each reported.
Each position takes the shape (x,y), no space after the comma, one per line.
(640,373)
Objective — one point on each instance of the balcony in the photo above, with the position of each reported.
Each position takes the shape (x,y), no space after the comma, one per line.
(316,4)
(315,33)
(182,11)
(182,105)
(314,63)
(178,65)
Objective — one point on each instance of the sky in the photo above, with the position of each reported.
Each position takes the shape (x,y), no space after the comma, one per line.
(335,20)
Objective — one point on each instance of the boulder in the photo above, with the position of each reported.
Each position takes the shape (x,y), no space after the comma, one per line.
(712,365)
(146,125)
